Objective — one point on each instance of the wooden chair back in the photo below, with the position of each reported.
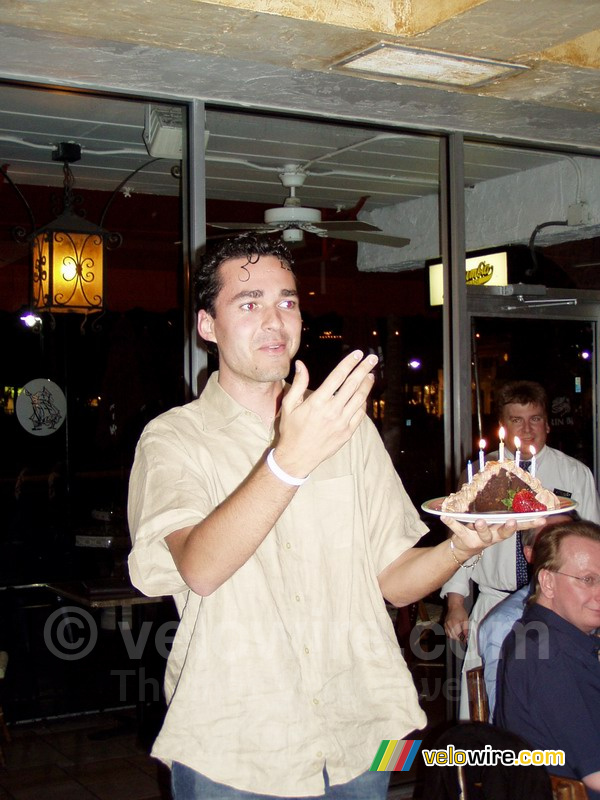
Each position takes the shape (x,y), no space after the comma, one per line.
(479,710)
(567,788)
(3,729)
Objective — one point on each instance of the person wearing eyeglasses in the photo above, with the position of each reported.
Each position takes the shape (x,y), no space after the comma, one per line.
(495,626)
(548,680)
(522,411)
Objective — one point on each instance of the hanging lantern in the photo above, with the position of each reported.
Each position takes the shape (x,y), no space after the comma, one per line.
(67,253)
(67,268)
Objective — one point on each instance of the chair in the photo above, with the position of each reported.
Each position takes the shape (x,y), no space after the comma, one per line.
(479,710)
(496,781)
(3,729)
(567,788)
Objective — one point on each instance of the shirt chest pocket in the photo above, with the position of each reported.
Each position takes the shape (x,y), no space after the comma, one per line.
(328,515)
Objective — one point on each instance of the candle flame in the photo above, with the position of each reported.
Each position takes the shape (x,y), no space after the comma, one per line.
(482,444)
(517,443)
(501,433)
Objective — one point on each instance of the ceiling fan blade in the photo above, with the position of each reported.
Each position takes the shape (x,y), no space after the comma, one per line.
(348,225)
(242,226)
(369,237)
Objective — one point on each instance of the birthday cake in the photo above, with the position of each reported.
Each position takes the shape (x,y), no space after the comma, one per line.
(501,487)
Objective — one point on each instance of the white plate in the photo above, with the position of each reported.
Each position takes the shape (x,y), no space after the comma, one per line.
(435,507)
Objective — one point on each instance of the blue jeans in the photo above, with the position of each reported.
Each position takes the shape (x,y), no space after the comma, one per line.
(187,784)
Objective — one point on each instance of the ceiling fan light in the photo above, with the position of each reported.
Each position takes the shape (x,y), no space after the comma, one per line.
(277,216)
(293,235)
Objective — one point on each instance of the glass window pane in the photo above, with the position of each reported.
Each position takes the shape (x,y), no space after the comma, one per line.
(116,368)
(354,294)
(538,210)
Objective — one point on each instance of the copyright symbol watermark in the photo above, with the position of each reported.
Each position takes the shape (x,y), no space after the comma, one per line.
(70,633)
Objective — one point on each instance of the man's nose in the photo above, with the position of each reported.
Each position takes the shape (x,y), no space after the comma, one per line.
(272,318)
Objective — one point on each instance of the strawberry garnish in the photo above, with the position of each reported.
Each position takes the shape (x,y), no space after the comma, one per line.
(524,502)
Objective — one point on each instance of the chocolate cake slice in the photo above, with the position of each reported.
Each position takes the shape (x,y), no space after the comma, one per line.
(495,494)
(492,486)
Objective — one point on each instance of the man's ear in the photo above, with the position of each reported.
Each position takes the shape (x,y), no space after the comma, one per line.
(206,326)
(547,581)
(527,552)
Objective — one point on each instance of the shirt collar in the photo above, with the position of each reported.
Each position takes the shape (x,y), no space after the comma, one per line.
(579,639)
(538,455)
(219,409)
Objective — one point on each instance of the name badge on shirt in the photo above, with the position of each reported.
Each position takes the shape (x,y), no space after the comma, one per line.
(562,493)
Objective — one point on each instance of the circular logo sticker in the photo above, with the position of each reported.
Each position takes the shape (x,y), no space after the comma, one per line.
(41,407)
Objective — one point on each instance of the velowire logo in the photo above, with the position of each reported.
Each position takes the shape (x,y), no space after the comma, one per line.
(395,755)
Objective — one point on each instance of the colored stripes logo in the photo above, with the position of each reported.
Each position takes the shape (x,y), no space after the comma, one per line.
(395,755)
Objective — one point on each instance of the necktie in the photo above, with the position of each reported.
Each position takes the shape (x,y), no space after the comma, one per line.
(522,565)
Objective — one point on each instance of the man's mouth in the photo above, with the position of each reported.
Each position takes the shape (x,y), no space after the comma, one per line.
(273,347)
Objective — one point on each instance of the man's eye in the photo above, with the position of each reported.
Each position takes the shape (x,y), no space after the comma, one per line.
(288,304)
(591,580)
(248,306)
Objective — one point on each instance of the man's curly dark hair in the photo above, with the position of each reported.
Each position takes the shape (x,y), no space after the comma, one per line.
(208,281)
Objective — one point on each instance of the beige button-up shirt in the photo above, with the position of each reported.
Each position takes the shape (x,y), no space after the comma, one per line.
(293,662)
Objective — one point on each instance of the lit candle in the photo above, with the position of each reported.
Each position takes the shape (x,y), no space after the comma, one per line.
(469,471)
(517,451)
(481,455)
(532,467)
(501,448)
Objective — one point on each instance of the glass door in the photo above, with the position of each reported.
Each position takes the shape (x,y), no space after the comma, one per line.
(551,339)
(532,288)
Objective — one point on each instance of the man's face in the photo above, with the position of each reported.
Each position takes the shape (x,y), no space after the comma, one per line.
(257,322)
(569,597)
(529,423)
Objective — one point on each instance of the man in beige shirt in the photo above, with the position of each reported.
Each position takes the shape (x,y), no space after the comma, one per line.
(276,519)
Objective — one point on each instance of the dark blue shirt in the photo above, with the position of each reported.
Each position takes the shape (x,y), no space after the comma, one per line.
(548,690)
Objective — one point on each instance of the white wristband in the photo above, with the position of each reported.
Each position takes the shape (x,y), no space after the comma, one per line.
(279,473)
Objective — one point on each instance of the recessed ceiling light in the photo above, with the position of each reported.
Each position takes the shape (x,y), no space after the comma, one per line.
(411,63)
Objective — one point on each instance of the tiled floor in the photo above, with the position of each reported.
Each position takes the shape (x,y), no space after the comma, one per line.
(81,758)
(99,757)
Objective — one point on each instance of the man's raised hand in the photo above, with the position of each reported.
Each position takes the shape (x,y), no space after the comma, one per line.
(313,427)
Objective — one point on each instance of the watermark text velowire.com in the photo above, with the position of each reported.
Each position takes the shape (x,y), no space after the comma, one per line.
(488,756)
(397,755)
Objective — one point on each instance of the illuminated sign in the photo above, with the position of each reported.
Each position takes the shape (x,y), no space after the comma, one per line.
(485,270)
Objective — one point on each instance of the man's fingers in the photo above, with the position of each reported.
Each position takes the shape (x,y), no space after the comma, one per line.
(481,533)
(457,631)
(337,381)
(295,395)
(485,534)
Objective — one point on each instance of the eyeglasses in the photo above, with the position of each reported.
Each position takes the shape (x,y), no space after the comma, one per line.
(591,581)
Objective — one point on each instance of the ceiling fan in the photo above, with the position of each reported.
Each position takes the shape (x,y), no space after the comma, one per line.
(293,219)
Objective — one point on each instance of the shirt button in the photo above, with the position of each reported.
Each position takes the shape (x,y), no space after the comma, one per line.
(306,650)
(319,753)
(288,546)
(297,598)
(315,701)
